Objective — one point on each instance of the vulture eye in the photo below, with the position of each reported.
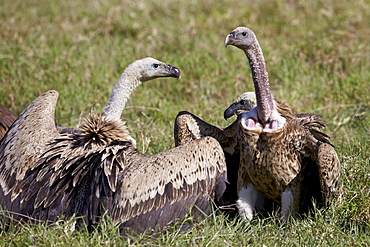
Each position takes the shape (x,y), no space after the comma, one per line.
(244,33)
(155,65)
(242,102)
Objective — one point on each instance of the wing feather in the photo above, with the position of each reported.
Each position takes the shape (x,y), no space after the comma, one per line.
(154,182)
(26,139)
(312,123)
(75,179)
(329,170)
(189,127)
(74,176)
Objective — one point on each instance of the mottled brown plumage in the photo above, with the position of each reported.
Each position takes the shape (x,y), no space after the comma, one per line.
(7,117)
(280,158)
(117,179)
(26,140)
(189,127)
(97,169)
(312,123)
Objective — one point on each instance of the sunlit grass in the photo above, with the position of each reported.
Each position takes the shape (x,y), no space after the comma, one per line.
(318,58)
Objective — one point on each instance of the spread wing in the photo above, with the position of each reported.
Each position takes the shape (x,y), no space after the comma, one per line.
(71,179)
(161,188)
(320,177)
(324,155)
(77,174)
(25,141)
(321,169)
(189,127)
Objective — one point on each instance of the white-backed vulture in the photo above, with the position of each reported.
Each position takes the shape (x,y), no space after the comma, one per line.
(97,169)
(243,103)
(7,117)
(281,156)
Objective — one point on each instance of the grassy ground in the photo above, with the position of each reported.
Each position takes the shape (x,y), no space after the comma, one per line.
(318,58)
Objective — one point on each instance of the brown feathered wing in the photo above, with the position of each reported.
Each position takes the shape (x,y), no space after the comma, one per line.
(7,117)
(33,129)
(161,188)
(77,176)
(189,127)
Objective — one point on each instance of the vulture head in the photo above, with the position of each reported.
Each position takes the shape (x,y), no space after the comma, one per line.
(241,37)
(242,104)
(150,68)
(136,73)
(265,116)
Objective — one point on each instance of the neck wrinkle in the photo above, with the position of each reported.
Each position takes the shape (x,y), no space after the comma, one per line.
(121,92)
(261,81)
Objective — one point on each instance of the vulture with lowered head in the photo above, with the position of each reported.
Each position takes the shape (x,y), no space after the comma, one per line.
(189,127)
(97,169)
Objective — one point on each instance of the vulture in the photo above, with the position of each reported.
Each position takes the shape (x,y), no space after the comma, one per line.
(281,157)
(243,103)
(189,127)
(7,117)
(96,170)
(311,122)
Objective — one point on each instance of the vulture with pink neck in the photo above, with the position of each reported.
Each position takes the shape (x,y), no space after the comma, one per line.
(273,157)
(282,159)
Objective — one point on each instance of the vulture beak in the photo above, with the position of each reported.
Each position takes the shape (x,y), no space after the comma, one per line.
(230,38)
(174,72)
(228,113)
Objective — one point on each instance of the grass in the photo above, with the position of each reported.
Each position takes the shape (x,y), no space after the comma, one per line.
(318,58)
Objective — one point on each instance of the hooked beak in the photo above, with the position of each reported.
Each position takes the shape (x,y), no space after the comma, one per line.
(230,38)
(174,72)
(228,113)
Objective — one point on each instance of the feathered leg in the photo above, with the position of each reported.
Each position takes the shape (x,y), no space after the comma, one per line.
(249,200)
(290,198)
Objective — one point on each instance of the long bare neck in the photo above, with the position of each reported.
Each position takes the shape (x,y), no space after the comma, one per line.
(261,81)
(124,87)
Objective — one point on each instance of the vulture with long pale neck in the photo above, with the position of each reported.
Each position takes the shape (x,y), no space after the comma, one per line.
(97,170)
(277,156)
(281,159)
